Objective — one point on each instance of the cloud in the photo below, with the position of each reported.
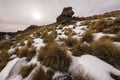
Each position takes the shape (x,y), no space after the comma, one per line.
(19,12)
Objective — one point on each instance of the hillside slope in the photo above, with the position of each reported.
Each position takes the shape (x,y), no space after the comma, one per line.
(68,50)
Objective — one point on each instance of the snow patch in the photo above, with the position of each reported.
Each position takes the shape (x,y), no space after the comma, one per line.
(117,44)
(79,30)
(33,61)
(78,23)
(91,66)
(11,50)
(14,73)
(59,76)
(13,56)
(6,71)
(97,36)
(26,42)
(69,26)
(49,32)
(38,42)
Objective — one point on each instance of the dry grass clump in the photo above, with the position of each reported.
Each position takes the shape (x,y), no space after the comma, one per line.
(86,22)
(118,36)
(49,74)
(37,33)
(70,42)
(5,44)
(107,51)
(117,20)
(22,52)
(22,37)
(26,70)
(87,36)
(4,58)
(100,25)
(81,49)
(40,74)
(31,53)
(26,52)
(114,29)
(106,26)
(44,33)
(42,53)
(50,37)
(103,49)
(52,55)
(30,41)
(106,37)
(68,31)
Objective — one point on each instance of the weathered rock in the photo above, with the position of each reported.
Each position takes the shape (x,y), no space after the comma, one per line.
(66,16)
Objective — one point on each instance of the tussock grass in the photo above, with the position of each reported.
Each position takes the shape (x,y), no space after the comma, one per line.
(30,41)
(4,58)
(86,22)
(87,36)
(44,34)
(55,57)
(50,37)
(40,74)
(26,52)
(68,31)
(100,25)
(118,36)
(81,49)
(42,52)
(37,34)
(49,74)
(103,49)
(5,44)
(23,52)
(31,53)
(117,20)
(107,38)
(26,70)
(107,51)
(70,42)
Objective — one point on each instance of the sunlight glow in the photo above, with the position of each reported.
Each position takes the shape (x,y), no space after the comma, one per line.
(37,16)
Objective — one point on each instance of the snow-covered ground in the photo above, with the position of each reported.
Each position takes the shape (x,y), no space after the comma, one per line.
(85,65)
(6,71)
(88,65)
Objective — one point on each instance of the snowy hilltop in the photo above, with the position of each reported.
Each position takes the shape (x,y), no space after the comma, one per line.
(72,48)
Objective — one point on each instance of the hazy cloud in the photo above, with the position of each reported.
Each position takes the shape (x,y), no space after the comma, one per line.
(17,14)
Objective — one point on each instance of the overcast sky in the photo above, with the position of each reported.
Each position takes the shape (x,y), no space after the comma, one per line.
(19,14)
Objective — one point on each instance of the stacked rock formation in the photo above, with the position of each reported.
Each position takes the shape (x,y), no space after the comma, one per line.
(66,16)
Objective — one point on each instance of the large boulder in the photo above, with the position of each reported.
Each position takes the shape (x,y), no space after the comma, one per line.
(66,16)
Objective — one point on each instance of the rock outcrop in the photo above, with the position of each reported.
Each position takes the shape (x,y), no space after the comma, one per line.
(66,16)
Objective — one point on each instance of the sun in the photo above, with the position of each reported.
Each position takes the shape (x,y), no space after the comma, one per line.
(37,16)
